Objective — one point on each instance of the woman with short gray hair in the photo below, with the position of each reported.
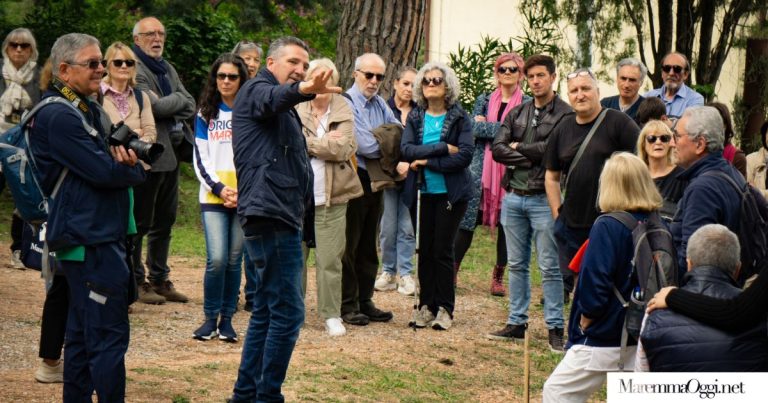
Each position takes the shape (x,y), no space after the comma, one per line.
(437,142)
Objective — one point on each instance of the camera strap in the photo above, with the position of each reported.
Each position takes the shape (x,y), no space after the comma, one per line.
(69,94)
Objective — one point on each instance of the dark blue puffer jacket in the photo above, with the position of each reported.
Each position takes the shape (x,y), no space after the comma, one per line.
(274,177)
(677,343)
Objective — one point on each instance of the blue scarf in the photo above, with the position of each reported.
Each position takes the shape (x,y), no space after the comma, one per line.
(156,66)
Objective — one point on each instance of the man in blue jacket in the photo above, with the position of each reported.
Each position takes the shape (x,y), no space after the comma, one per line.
(675,343)
(88,220)
(708,199)
(274,184)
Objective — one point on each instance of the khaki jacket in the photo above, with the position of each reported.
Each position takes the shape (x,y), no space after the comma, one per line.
(143,120)
(756,170)
(340,175)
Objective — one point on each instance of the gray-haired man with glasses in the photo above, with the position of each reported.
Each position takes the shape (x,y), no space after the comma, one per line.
(576,152)
(157,199)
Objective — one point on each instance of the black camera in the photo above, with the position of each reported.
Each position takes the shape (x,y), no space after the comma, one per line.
(122,135)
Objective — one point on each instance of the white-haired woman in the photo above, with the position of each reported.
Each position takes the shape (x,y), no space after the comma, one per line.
(328,128)
(597,316)
(251,54)
(654,147)
(438,143)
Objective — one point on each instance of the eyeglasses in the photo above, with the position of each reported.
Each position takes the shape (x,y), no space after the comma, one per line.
(369,76)
(665,138)
(224,76)
(432,80)
(91,64)
(504,69)
(152,34)
(580,73)
(669,67)
(119,63)
(17,45)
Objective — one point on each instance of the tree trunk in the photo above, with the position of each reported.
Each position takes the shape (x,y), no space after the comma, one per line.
(687,18)
(392,29)
(665,39)
(585,17)
(755,92)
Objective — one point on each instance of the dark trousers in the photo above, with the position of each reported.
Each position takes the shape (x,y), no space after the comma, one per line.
(97,326)
(438,224)
(568,240)
(155,203)
(360,262)
(54,322)
(17,228)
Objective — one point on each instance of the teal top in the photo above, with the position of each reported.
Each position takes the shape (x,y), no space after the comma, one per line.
(433,127)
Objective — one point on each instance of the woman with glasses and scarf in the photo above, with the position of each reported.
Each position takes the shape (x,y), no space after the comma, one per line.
(19,92)
(215,168)
(485,205)
(437,142)
(655,148)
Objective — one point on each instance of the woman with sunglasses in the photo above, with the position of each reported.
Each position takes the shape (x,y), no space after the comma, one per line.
(19,92)
(654,147)
(437,142)
(485,205)
(215,169)
(122,101)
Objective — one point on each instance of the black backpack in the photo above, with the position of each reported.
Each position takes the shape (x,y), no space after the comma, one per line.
(753,226)
(654,266)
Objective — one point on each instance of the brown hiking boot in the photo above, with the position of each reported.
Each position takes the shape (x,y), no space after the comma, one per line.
(497,282)
(148,296)
(167,290)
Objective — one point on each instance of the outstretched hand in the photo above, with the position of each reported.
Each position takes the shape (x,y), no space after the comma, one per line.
(318,84)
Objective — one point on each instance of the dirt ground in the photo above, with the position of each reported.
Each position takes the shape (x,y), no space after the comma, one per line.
(379,362)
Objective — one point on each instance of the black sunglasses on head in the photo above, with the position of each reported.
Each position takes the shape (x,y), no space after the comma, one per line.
(369,76)
(664,138)
(669,67)
(504,69)
(225,76)
(19,45)
(119,63)
(431,80)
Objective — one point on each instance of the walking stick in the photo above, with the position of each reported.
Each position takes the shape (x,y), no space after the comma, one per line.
(419,174)
(526,370)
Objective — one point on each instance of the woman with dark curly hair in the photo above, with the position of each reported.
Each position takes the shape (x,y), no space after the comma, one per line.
(215,169)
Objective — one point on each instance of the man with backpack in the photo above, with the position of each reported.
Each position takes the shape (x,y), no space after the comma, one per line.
(709,197)
(87,219)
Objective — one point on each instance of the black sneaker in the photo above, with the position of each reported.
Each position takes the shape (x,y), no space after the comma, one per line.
(556,340)
(355,318)
(226,331)
(509,333)
(377,315)
(207,331)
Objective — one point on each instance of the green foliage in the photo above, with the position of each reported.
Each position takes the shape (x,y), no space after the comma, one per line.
(314,23)
(473,68)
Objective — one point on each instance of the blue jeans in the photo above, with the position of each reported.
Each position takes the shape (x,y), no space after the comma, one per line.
(398,242)
(278,312)
(224,249)
(524,217)
(250,277)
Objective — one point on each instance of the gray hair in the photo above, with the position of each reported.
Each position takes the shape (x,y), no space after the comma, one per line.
(247,46)
(67,46)
(631,61)
(706,122)
(21,34)
(714,245)
(452,86)
(362,58)
(136,25)
(405,69)
(278,44)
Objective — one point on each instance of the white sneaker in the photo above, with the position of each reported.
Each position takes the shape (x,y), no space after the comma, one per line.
(406,285)
(50,374)
(334,327)
(385,282)
(443,321)
(16,262)
(422,318)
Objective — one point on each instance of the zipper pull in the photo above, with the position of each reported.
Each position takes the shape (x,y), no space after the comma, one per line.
(285,151)
(450,206)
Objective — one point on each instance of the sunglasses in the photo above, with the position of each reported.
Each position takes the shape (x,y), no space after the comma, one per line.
(669,67)
(665,138)
(225,76)
(369,76)
(18,45)
(91,64)
(432,80)
(152,34)
(580,73)
(119,63)
(504,70)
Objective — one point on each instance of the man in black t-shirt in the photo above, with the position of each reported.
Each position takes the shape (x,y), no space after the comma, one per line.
(576,209)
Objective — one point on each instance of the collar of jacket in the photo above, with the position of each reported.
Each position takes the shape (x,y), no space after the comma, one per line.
(453,113)
(703,276)
(710,161)
(340,112)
